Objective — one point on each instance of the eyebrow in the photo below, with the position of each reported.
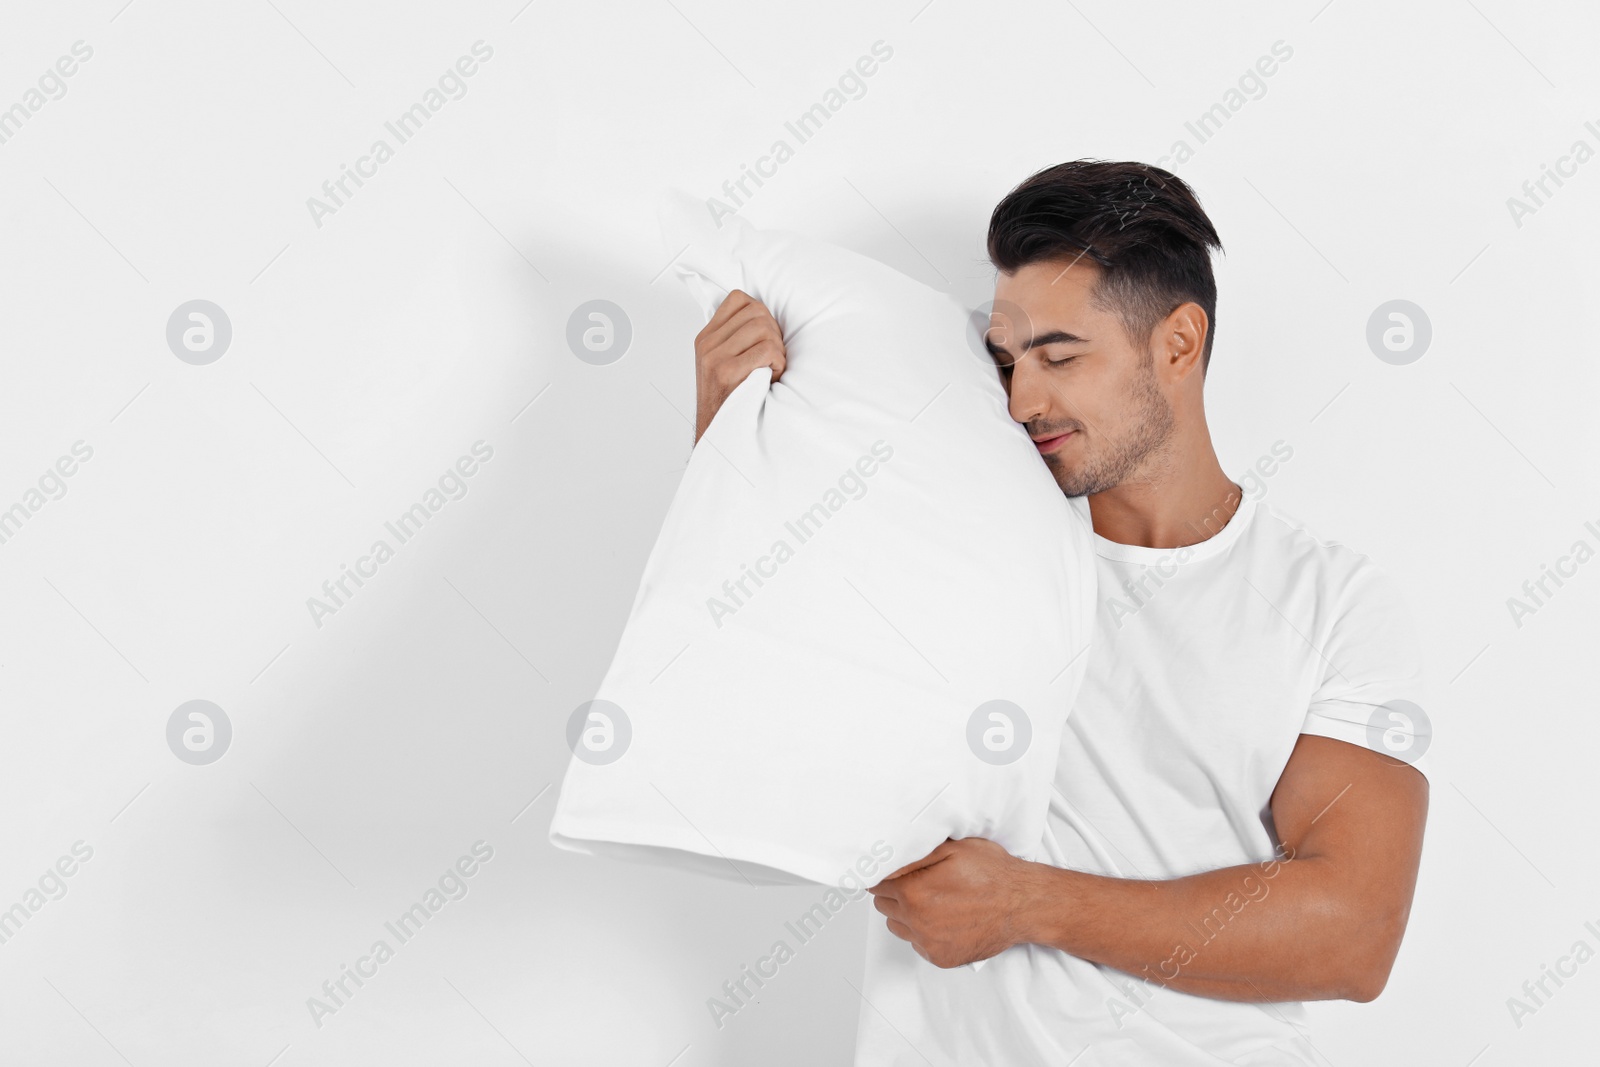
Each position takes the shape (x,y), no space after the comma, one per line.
(1054,337)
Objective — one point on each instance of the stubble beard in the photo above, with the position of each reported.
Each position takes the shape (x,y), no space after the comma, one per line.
(1150,430)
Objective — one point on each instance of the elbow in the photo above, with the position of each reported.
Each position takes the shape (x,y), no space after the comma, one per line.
(1367,968)
(1364,988)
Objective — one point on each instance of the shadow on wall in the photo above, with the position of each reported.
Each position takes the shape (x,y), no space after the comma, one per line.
(428,710)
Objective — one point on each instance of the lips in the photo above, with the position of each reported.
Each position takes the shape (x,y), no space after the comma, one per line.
(1047,445)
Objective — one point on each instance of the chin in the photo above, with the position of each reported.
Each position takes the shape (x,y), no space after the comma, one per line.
(1074,481)
(1071,483)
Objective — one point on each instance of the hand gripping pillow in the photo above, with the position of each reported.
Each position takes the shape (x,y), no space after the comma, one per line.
(865,618)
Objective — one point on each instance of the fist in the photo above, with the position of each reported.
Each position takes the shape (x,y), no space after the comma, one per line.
(740,337)
(965,901)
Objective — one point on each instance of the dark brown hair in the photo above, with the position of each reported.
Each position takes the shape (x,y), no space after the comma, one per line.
(1143,226)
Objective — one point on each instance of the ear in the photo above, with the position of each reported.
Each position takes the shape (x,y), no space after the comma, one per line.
(1179,343)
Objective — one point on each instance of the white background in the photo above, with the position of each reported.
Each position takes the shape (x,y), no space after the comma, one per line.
(370,352)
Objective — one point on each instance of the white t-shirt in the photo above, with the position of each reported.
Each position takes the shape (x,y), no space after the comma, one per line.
(1207,664)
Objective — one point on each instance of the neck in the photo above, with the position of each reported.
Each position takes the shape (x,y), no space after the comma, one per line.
(1179,496)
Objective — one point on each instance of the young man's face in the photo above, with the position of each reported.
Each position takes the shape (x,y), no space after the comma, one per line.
(1087,392)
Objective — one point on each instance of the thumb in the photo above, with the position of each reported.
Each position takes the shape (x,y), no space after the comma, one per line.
(938,855)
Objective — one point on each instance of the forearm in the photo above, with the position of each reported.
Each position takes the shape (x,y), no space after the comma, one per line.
(1283,930)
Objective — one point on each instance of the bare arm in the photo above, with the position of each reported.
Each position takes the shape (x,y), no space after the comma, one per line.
(1323,922)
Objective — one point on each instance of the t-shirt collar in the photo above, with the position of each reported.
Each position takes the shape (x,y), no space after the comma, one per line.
(1211,546)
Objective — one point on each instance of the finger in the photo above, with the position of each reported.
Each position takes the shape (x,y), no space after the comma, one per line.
(938,855)
(729,316)
(752,316)
(743,334)
(734,301)
(768,353)
(888,906)
(750,348)
(730,304)
(903,932)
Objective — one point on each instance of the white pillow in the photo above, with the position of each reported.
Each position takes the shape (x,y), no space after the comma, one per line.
(860,559)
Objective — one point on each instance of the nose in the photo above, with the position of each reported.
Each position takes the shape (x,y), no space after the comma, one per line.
(1029,399)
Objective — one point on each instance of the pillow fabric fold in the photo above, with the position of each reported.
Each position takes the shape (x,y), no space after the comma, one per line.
(865,618)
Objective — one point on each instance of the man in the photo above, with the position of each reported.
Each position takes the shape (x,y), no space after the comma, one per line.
(1229,835)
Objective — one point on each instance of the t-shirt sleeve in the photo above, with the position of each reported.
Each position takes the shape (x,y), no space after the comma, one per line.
(1371,691)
